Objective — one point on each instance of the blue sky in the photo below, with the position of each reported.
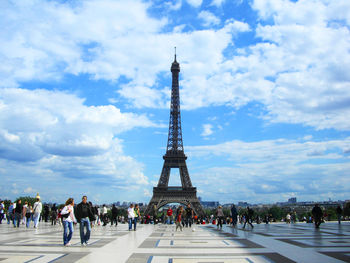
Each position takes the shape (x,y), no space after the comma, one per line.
(264,87)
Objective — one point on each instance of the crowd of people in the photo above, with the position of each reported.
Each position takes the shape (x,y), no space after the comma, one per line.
(87,215)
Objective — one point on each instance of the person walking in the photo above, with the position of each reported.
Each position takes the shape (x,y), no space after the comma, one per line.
(131,216)
(169,214)
(53,214)
(234,215)
(2,211)
(248,217)
(46,213)
(317,214)
(104,215)
(37,207)
(18,213)
(11,213)
(24,211)
(68,219)
(339,212)
(178,220)
(83,216)
(219,217)
(29,214)
(189,215)
(288,218)
(137,215)
(155,214)
(114,217)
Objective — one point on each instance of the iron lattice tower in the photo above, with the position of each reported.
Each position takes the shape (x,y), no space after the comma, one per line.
(174,158)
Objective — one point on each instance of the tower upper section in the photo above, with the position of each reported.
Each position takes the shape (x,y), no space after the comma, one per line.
(175,144)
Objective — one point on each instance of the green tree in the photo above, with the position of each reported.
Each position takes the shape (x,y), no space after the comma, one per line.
(30,200)
(276,212)
(346,209)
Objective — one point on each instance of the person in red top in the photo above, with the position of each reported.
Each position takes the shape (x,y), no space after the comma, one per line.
(169,214)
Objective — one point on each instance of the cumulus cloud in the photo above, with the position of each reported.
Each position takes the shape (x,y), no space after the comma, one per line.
(207,130)
(296,67)
(208,18)
(274,169)
(217,3)
(195,3)
(52,134)
(174,5)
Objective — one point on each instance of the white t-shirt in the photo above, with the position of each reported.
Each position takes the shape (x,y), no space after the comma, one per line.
(104,210)
(37,207)
(71,217)
(131,213)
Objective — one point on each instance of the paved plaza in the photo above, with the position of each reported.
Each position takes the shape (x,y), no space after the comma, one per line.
(161,244)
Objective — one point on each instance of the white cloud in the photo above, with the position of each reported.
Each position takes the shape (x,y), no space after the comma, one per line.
(217,3)
(147,193)
(208,18)
(52,135)
(297,69)
(195,3)
(207,130)
(88,37)
(266,170)
(298,73)
(174,6)
(28,190)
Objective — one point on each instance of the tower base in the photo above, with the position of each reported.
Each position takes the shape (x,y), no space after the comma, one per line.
(167,195)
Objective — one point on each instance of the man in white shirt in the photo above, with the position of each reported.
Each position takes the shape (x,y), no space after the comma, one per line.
(37,211)
(131,216)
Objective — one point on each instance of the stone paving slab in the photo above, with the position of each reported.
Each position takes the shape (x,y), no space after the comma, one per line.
(277,243)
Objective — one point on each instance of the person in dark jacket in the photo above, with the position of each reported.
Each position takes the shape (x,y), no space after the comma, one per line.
(248,217)
(317,214)
(234,215)
(46,212)
(339,212)
(83,215)
(53,214)
(114,215)
(18,213)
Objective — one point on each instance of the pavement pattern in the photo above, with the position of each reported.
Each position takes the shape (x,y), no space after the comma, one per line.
(160,243)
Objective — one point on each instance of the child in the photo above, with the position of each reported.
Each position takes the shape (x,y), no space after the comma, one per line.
(178,220)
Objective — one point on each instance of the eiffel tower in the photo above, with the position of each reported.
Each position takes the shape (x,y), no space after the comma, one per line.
(174,158)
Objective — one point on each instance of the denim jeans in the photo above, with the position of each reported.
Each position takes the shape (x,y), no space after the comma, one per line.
(188,221)
(130,220)
(17,220)
(28,221)
(67,237)
(135,222)
(84,237)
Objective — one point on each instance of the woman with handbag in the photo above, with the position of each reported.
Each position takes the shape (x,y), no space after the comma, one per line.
(68,219)
(29,214)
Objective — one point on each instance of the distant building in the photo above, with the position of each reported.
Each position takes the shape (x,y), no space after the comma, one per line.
(243,204)
(292,200)
(210,204)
